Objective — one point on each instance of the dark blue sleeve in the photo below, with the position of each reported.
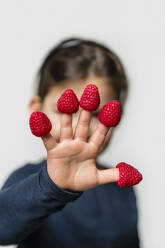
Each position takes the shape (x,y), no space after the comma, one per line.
(26,199)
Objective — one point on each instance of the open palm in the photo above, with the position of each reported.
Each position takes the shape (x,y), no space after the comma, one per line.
(71,163)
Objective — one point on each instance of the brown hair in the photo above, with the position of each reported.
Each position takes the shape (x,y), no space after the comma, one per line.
(74,59)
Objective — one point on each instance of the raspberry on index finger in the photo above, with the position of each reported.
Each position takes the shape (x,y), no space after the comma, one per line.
(110,114)
(40,124)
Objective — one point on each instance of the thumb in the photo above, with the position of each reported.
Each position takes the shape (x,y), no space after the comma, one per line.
(124,174)
(108,175)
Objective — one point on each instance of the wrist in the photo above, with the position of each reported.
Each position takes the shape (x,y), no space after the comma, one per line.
(53,176)
(51,189)
(58,178)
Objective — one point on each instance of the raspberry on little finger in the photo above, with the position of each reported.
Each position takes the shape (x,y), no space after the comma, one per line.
(40,124)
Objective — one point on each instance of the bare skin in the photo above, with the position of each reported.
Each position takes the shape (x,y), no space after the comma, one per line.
(72,153)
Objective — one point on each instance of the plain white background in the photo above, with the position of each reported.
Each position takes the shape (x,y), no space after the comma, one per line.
(136,32)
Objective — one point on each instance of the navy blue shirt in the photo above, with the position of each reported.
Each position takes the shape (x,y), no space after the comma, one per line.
(35,212)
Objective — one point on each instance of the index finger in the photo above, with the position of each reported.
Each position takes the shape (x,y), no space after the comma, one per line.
(99,135)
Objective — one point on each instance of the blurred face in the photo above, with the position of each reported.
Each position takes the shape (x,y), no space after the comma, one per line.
(49,105)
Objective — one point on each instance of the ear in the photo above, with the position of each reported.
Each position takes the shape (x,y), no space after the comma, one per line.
(34,104)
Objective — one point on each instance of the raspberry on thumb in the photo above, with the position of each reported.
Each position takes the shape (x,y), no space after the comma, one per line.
(110,114)
(68,102)
(40,124)
(90,98)
(128,175)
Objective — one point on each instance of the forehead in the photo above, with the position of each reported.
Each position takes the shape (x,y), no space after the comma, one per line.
(106,91)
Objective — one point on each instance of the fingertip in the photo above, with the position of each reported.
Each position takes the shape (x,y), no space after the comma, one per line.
(128,175)
(110,114)
(90,99)
(68,102)
(39,124)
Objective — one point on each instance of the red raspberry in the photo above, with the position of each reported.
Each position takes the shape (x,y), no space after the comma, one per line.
(90,98)
(128,175)
(110,114)
(68,102)
(39,124)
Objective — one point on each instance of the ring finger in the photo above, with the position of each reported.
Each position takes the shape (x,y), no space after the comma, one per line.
(66,131)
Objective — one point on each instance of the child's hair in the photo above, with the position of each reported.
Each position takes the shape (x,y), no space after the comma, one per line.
(76,58)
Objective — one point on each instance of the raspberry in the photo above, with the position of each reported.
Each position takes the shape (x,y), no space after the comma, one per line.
(128,175)
(110,114)
(39,124)
(68,102)
(90,98)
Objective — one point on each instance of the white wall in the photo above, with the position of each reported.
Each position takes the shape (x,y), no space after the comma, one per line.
(135,30)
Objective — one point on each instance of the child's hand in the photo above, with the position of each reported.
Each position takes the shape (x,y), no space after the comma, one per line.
(71,163)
